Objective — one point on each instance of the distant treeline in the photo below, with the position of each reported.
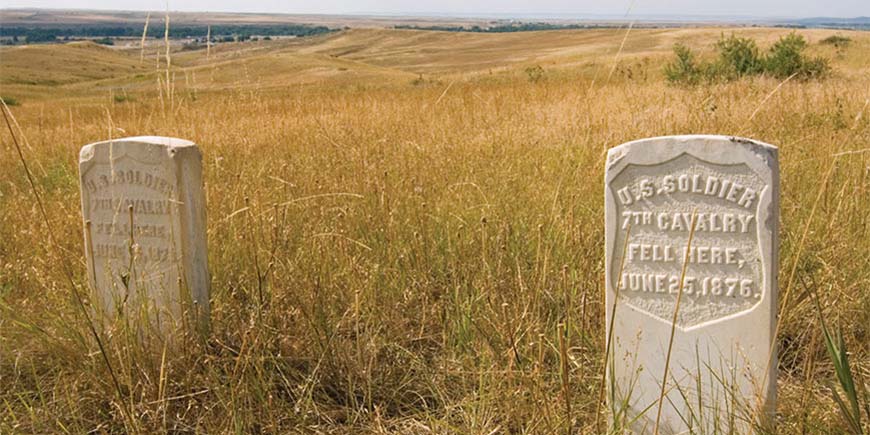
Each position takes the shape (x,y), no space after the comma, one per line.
(853,24)
(506,28)
(47,34)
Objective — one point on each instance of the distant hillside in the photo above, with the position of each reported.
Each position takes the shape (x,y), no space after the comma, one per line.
(857,23)
(54,65)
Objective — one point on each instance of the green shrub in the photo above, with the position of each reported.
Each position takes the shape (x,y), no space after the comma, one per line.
(683,69)
(785,56)
(122,98)
(535,73)
(738,57)
(105,41)
(9,101)
(786,59)
(814,68)
(837,41)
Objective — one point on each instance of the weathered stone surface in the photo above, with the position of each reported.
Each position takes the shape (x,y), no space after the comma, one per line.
(145,230)
(723,337)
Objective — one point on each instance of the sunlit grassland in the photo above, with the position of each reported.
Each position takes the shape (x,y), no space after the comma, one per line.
(397,252)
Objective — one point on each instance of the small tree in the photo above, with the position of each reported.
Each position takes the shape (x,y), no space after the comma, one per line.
(683,69)
(786,58)
(738,57)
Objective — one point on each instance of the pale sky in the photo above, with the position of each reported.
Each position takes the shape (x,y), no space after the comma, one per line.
(549,8)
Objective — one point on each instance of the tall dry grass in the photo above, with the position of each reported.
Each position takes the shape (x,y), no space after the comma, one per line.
(390,257)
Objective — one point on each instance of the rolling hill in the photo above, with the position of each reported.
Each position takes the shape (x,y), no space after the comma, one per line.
(365,56)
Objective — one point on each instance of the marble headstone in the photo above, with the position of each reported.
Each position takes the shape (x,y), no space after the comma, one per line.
(722,371)
(145,230)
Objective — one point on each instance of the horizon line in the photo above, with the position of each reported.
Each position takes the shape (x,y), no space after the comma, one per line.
(552,15)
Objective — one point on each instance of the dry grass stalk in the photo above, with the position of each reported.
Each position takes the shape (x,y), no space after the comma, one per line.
(144,35)
(674,324)
(7,114)
(168,79)
(608,345)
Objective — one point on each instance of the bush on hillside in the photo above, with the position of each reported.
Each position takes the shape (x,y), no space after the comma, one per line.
(9,101)
(535,73)
(683,69)
(740,57)
(837,41)
(786,59)
(122,98)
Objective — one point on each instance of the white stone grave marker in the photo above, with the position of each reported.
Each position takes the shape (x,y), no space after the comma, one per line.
(723,359)
(145,235)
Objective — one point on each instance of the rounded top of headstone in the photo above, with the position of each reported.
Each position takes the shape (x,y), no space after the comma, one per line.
(170,143)
(157,140)
(700,139)
(654,150)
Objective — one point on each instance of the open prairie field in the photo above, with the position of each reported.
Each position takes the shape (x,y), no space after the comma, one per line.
(405,227)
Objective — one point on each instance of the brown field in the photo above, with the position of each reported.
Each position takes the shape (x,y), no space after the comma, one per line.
(401,225)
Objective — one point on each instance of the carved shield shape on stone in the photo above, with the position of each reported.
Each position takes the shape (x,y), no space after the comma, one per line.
(658,201)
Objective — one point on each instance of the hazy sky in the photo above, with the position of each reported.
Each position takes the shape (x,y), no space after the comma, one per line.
(759,8)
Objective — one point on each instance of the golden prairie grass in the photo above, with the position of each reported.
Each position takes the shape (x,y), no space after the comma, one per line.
(394,255)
